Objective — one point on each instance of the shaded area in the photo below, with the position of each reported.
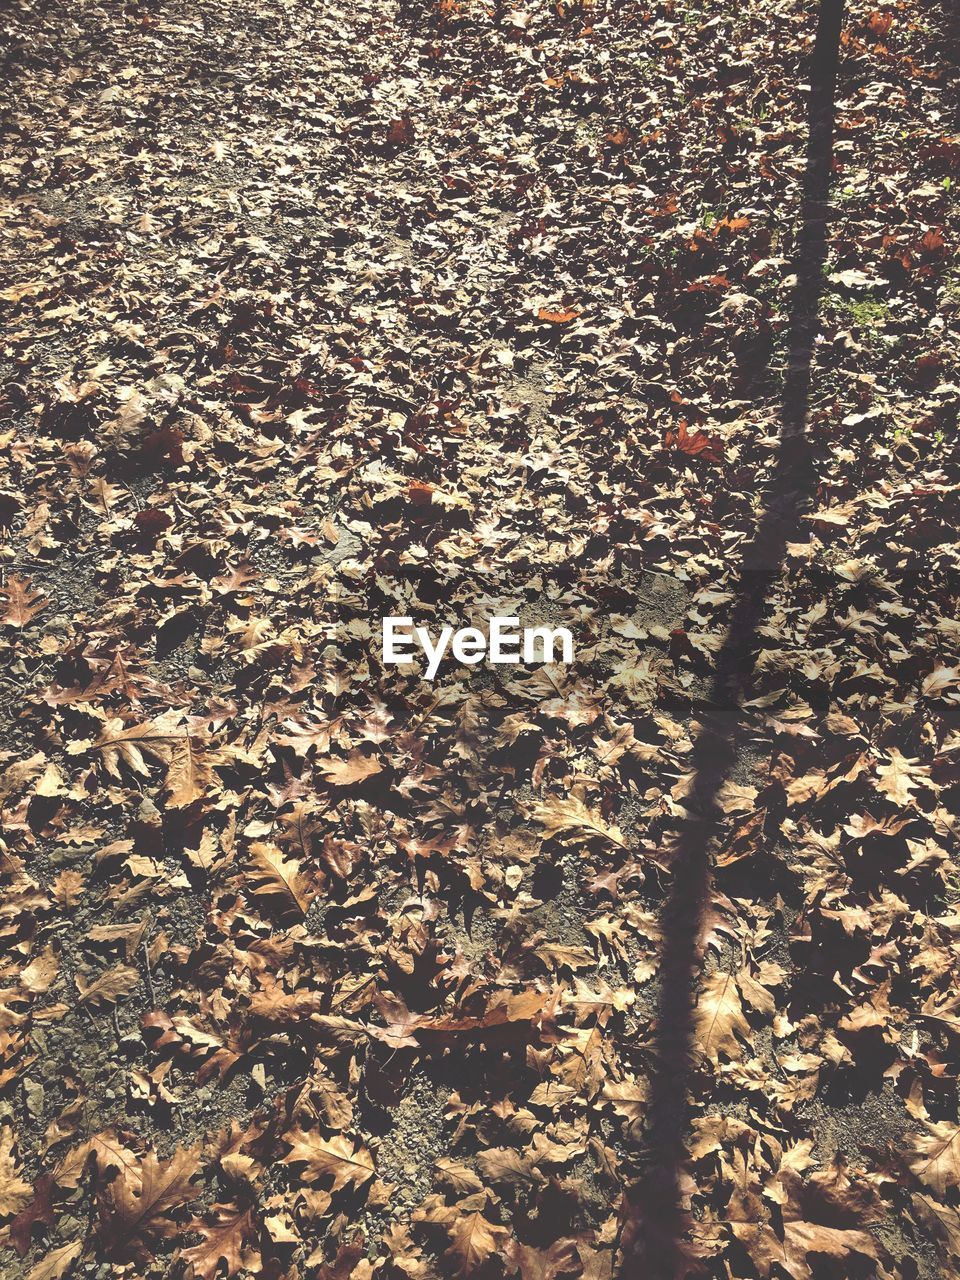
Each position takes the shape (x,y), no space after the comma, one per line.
(655,1229)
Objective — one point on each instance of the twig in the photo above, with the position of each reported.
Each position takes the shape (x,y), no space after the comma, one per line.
(146,963)
(426,715)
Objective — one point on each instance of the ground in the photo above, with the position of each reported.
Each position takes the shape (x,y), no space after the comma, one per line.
(636,319)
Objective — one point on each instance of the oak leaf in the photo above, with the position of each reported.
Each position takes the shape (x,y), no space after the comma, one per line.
(15,1194)
(801,1239)
(629,1099)
(562,814)
(898,778)
(561,316)
(40,1209)
(129,743)
(357,767)
(504,1164)
(720,1023)
(41,973)
(561,1259)
(224,1240)
(139,1200)
(333,1158)
(942,1221)
(107,989)
(19,603)
(107,1149)
(458,1177)
(274,876)
(472,1241)
(190,774)
(936,1159)
(166,740)
(56,1262)
(939,679)
(755,993)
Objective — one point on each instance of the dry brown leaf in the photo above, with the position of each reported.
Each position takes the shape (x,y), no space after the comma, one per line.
(189,775)
(559,815)
(461,1180)
(400,132)
(19,603)
(472,1241)
(41,973)
(562,315)
(900,777)
(56,1263)
(356,768)
(562,1258)
(226,1240)
(801,1240)
(335,1158)
(280,878)
(129,743)
(943,1221)
(720,1023)
(109,987)
(939,680)
(140,1199)
(505,1164)
(936,1159)
(15,1193)
(166,740)
(109,1151)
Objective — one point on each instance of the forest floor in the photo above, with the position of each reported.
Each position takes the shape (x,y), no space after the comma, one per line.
(640,319)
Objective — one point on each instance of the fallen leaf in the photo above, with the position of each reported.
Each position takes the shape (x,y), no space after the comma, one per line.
(562,316)
(936,1158)
(19,603)
(335,1158)
(57,1262)
(15,1193)
(472,1241)
(226,1242)
(357,767)
(720,1023)
(109,987)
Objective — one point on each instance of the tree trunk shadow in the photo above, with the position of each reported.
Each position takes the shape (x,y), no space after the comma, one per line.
(654,1241)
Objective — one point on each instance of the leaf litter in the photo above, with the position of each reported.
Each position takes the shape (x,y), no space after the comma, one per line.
(314,969)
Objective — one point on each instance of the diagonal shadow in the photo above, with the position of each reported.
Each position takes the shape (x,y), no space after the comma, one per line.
(655,1226)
